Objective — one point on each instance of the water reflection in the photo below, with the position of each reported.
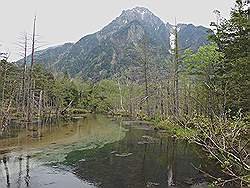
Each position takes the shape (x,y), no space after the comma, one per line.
(15,176)
(172,165)
(26,137)
(16,172)
(49,143)
(5,162)
(140,159)
(27,177)
(19,180)
(134,162)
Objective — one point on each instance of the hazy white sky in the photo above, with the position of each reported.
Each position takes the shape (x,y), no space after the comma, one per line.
(60,21)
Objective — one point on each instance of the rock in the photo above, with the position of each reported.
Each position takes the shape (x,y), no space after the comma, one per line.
(142,142)
(200,185)
(148,140)
(152,184)
(123,154)
(162,131)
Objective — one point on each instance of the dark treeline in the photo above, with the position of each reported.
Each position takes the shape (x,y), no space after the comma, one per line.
(201,95)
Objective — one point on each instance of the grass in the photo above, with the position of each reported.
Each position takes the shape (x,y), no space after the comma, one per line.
(175,129)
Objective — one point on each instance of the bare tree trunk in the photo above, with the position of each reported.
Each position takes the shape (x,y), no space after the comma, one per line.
(224,102)
(121,97)
(146,86)
(24,73)
(169,100)
(4,85)
(64,110)
(130,99)
(30,110)
(40,103)
(186,107)
(3,90)
(177,109)
(189,106)
(176,74)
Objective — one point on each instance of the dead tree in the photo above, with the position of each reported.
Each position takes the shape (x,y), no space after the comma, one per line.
(30,88)
(24,73)
(144,61)
(23,46)
(176,72)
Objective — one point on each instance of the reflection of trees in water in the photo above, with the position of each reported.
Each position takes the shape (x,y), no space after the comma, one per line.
(25,134)
(172,164)
(19,180)
(143,163)
(27,177)
(20,171)
(164,162)
(15,127)
(5,162)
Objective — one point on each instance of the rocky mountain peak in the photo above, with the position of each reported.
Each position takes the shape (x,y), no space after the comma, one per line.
(139,15)
(105,53)
(139,12)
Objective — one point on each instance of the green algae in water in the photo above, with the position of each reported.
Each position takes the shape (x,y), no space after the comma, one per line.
(97,138)
(88,154)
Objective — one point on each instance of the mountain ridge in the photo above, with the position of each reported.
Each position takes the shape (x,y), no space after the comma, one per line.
(95,55)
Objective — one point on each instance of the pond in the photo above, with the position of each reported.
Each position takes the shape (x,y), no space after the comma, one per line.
(97,152)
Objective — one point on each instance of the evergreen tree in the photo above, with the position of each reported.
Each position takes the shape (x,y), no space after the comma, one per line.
(232,37)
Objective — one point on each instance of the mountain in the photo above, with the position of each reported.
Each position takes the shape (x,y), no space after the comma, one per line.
(49,56)
(108,51)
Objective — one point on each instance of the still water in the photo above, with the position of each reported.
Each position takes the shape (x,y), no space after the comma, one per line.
(97,152)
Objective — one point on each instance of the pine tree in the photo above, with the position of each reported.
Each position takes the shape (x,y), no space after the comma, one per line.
(232,37)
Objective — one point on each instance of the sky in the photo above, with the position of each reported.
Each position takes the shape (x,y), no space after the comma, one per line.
(60,21)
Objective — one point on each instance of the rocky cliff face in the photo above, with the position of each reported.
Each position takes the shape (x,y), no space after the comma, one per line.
(104,53)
